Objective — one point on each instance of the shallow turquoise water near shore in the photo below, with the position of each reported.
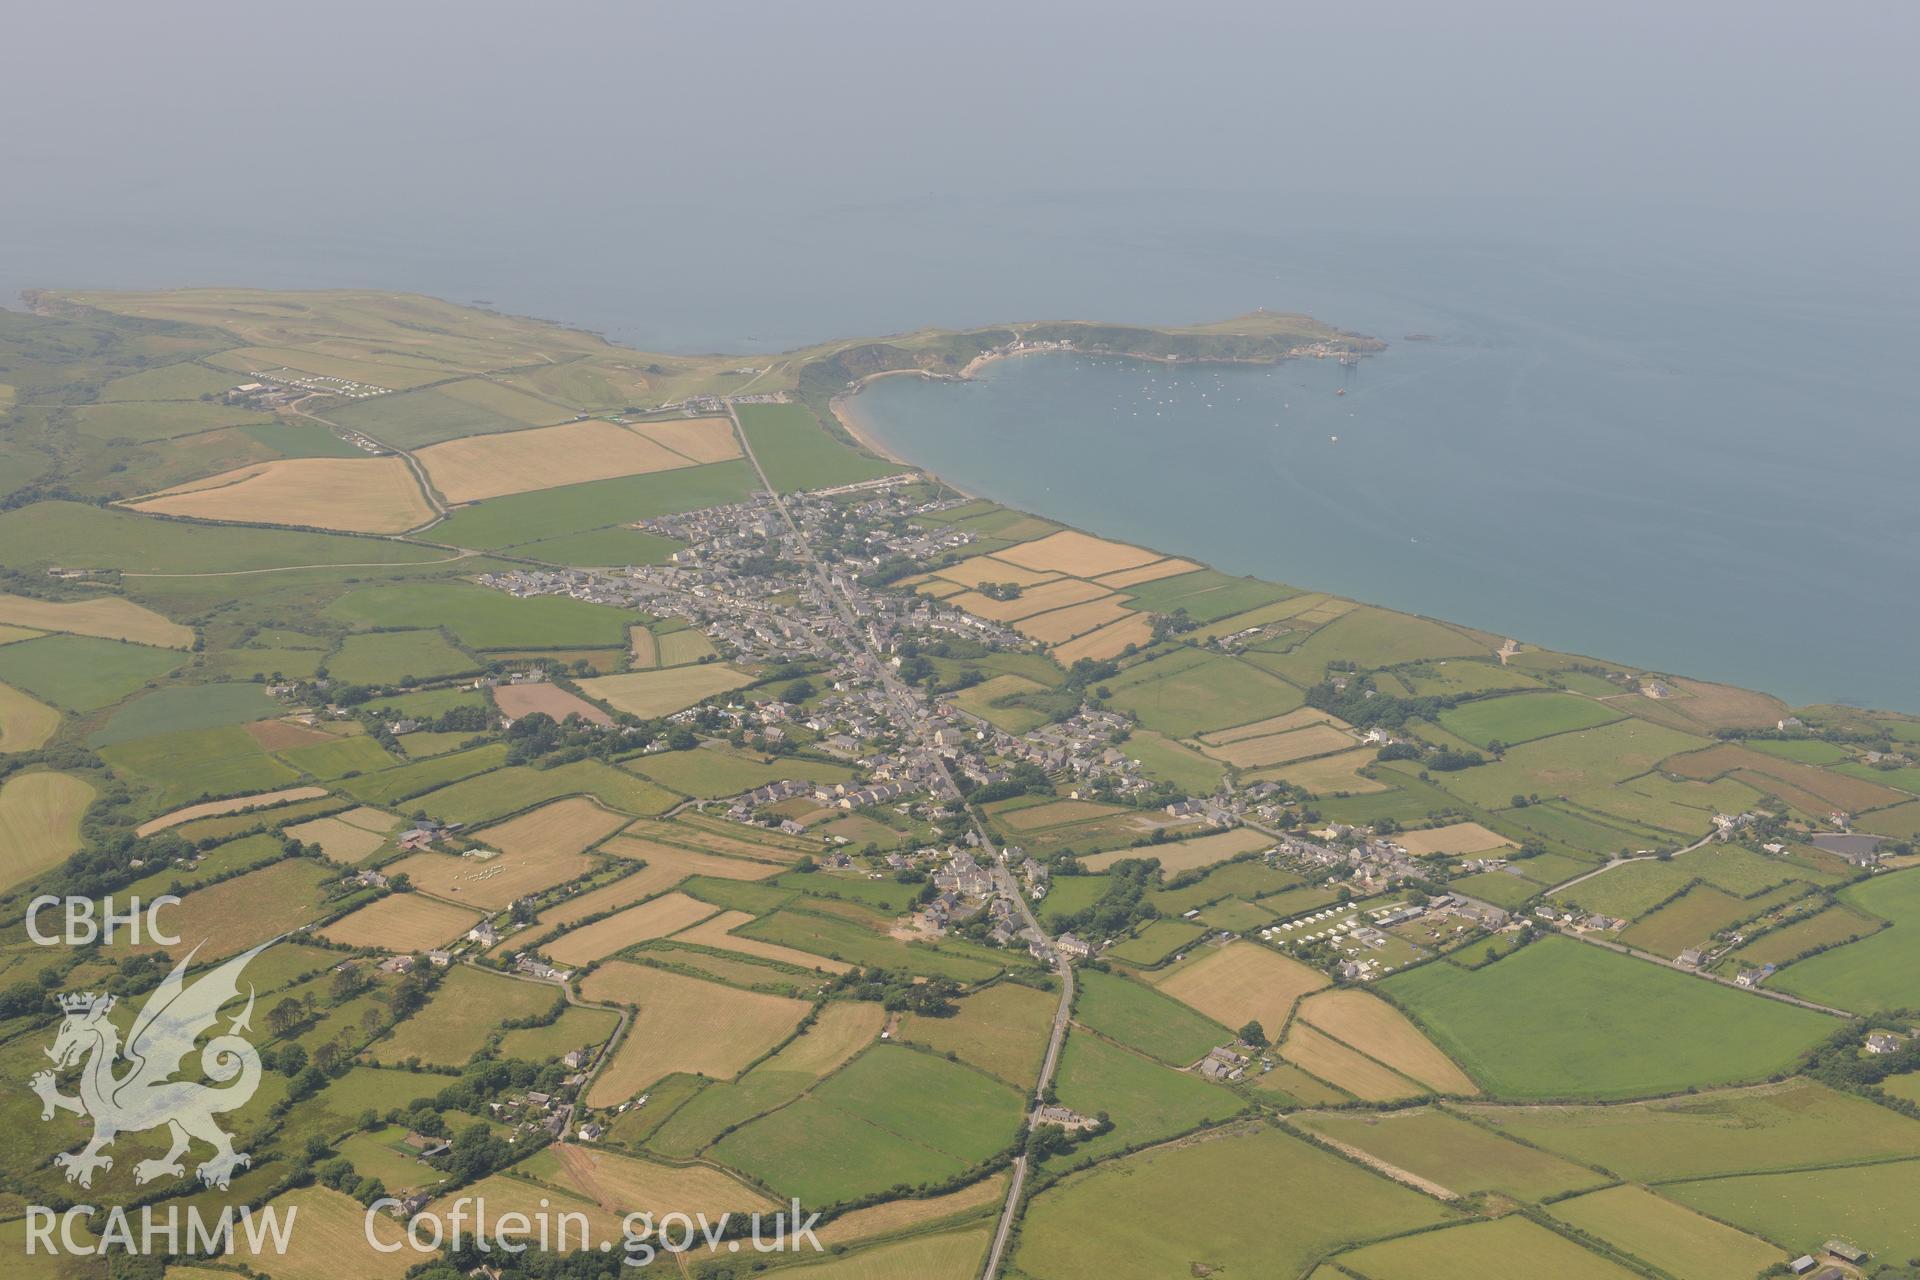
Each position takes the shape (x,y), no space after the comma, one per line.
(1669,490)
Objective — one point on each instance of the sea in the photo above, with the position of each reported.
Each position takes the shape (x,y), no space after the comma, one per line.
(1646,273)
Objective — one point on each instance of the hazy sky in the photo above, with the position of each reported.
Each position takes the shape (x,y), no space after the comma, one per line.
(652,158)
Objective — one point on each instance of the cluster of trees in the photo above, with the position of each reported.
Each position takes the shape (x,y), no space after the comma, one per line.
(1123,905)
(898,991)
(1025,779)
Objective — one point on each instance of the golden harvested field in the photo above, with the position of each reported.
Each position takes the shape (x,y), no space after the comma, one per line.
(402,922)
(1185,855)
(1333,1062)
(1377,1029)
(340,840)
(108,616)
(675,1029)
(653,840)
(1329,773)
(677,648)
(476,467)
(369,818)
(981,569)
(700,832)
(516,700)
(938,589)
(1242,982)
(353,495)
(329,1231)
(39,823)
(623,1184)
(235,914)
(1283,748)
(898,1215)
(701,439)
(660,693)
(491,883)
(665,868)
(9,634)
(1800,785)
(25,722)
(1048,595)
(1147,573)
(1299,718)
(1722,706)
(655,918)
(715,933)
(1108,642)
(1082,555)
(641,644)
(1457,838)
(213,808)
(560,827)
(1061,625)
(279,735)
(1054,813)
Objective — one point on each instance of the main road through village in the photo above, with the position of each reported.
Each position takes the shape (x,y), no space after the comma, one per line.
(912,717)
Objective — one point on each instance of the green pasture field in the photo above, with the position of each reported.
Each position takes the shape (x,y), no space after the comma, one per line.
(1676,1240)
(1670,804)
(232,824)
(387,657)
(1497,887)
(391,786)
(840,939)
(1206,594)
(1549,869)
(1289,903)
(481,618)
(149,420)
(1146,1101)
(1867,1205)
(426,704)
(342,756)
(185,380)
(1248,878)
(828,1156)
(504,791)
(1002,1030)
(1017,718)
(886,894)
(1136,1015)
(602,548)
(1794,1125)
(894,1115)
(1191,692)
(410,419)
(1236,915)
(83,673)
(1813,751)
(1372,638)
(1695,916)
(1069,895)
(222,761)
(574,1029)
(201,706)
(1523,717)
(749,973)
(245,664)
(1158,1212)
(943,1254)
(1163,758)
(1585,832)
(797,453)
(1457,1154)
(1513,1246)
(1599,806)
(1642,1029)
(709,771)
(300,441)
(423,743)
(1463,675)
(72,533)
(1155,942)
(597,504)
(1828,928)
(1875,972)
(754,897)
(1632,889)
(464,1010)
(1570,762)
(1906,778)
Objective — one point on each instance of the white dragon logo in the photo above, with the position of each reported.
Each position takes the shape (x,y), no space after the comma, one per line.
(146,1096)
